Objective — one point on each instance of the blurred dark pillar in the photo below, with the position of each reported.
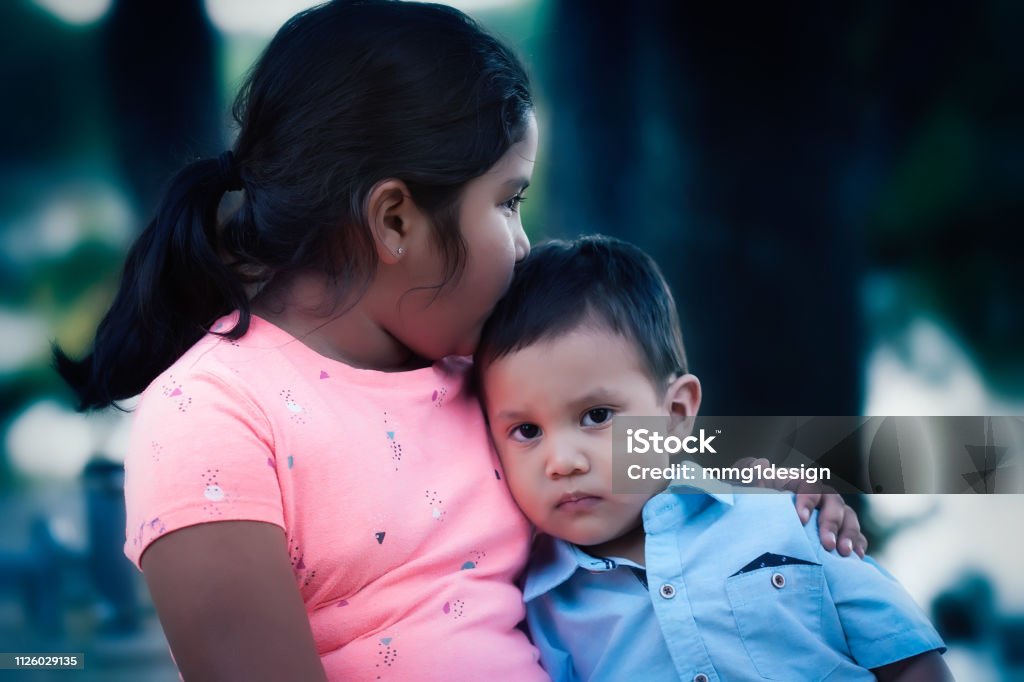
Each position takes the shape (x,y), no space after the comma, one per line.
(112,574)
(166,109)
(722,138)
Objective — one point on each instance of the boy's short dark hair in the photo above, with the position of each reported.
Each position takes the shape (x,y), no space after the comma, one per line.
(596,280)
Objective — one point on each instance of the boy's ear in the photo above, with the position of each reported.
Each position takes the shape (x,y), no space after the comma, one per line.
(682,400)
(395,220)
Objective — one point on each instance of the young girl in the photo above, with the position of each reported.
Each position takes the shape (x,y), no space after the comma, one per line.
(311,492)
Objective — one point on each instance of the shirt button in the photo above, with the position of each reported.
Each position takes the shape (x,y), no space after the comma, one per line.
(778,581)
(700,677)
(667,591)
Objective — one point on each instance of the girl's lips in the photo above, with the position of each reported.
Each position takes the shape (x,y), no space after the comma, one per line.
(577,502)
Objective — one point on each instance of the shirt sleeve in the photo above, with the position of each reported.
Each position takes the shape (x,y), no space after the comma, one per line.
(200,451)
(882,623)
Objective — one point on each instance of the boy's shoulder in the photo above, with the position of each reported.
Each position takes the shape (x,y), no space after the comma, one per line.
(724,524)
(714,501)
(721,501)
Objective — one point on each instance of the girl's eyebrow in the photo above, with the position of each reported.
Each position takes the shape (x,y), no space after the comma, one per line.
(516,183)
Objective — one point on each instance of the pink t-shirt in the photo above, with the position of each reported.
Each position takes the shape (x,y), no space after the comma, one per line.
(404,540)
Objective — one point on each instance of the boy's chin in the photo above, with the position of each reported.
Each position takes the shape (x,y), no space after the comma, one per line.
(582,539)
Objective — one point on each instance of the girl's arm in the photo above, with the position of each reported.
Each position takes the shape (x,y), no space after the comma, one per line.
(838,525)
(229,604)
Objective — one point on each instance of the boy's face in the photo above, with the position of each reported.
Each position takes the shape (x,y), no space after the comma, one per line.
(551,407)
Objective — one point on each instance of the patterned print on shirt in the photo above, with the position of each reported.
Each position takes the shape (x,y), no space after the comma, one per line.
(152,528)
(476,557)
(434,500)
(387,652)
(392,440)
(454,608)
(213,492)
(299,414)
(172,389)
(295,556)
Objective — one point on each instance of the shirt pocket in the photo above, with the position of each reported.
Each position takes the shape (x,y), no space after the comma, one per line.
(778,613)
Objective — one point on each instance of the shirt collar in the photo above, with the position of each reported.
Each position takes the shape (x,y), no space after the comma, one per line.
(554,561)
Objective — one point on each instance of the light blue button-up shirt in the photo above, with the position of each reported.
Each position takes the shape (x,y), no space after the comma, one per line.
(735,588)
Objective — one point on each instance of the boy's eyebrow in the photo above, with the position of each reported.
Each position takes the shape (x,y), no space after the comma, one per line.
(510,415)
(597,395)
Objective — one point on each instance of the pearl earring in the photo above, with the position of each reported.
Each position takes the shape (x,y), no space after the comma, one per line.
(401,250)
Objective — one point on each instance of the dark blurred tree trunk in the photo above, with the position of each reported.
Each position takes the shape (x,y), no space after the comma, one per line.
(723,140)
(166,108)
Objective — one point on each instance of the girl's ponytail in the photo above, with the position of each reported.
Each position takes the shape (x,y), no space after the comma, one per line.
(173,287)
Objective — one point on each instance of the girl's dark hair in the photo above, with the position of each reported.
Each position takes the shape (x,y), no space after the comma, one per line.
(593,280)
(346,94)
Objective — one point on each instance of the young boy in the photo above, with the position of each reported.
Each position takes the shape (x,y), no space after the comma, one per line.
(700,586)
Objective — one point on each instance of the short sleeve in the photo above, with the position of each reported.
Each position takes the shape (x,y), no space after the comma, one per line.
(882,623)
(200,451)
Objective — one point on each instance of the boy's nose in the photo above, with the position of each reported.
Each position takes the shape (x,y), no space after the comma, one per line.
(564,459)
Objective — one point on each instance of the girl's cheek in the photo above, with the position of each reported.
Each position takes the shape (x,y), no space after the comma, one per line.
(496,273)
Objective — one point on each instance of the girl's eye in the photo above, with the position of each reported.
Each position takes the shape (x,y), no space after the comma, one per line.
(513,203)
(525,432)
(596,416)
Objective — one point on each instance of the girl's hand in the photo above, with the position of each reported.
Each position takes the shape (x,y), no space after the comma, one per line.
(838,525)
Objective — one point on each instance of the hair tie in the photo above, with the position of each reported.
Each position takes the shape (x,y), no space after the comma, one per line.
(229,172)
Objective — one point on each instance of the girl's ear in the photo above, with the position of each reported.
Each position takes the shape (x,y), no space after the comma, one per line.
(394,219)
(682,400)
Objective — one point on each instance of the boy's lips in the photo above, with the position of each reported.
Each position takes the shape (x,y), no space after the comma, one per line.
(576,501)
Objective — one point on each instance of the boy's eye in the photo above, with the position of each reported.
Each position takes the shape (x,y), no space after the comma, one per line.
(513,203)
(525,432)
(596,416)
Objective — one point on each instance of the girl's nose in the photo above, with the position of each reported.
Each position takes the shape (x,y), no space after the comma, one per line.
(522,243)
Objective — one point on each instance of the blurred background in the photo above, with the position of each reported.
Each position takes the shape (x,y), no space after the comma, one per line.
(835,193)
